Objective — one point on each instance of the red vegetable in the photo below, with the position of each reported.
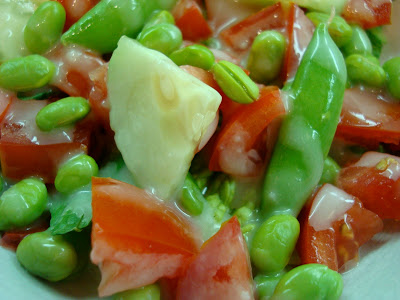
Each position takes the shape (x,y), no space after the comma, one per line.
(76,9)
(368,13)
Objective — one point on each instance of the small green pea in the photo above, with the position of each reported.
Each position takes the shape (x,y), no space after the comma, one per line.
(75,173)
(22,204)
(274,242)
(194,55)
(47,256)
(266,56)
(359,42)
(192,198)
(392,69)
(160,17)
(149,292)
(26,73)
(44,27)
(164,38)
(61,113)
(266,284)
(338,28)
(365,69)
(311,282)
(330,172)
(234,82)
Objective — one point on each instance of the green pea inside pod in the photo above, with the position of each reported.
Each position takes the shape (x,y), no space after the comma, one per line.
(235,83)
(365,69)
(311,282)
(148,292)
(75,173)
(22,203)
(26,73)
(194,55)
(359,42)
(160,17)
(392,69)
(44,27)
(164,38)
(63,112)
(47,256)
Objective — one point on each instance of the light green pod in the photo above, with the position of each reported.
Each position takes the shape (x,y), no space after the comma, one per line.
(392,69)
(365,69)
(149,292)
(359,42)
(164,38)
(338,28)
(75,173)
(26,73)
(160,17)
(266,56)
(47,256)
(61,113)
(44,27)
(234,82)
(194,55)
(22,203)
(330,172)
(311,282)
(274,242)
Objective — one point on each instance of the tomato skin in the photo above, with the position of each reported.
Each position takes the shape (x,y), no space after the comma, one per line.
(222,267)
(368,13)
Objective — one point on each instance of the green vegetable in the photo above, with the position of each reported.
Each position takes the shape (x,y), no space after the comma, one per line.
(164,38)
(234,82)
(149,292)
(75,173)
(330,171)
(26,73)
(338,28)
(392,69)
(22,204)
(265,284)
(192,198)
(274,242)
(61,113)
(307,131)
(44,27)
(311,282)
(102,27)
(266,56)
(160,17)
(194,55)
(218,207)
(47,256)
(359,42)
(365,69)
(378,40)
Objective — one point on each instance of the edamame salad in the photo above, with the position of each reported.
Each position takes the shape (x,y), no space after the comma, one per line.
(188,149)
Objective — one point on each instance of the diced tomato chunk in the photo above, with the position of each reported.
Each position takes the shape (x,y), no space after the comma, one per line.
(368,13)
(76,9)
(221,268)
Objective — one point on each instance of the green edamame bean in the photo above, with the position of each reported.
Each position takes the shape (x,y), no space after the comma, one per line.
(63,112)
(330,171)
(339,30)
(26,73)
(194,55)
(266,56)
(266,284)
(49,257)
(164,38)
(365,69)
(160,17)
(44,27)
(192,198)
(312,281)
(149,292)
(392,69)
(75,173)
(22,204)
(234,82)
(274,242)
(359,42)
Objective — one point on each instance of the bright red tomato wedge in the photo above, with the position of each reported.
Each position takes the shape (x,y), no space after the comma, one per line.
(136,238)
(222,268)
(368,13)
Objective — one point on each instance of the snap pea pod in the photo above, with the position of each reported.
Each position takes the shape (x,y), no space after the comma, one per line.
(102,27)
(160,17)
(308,129)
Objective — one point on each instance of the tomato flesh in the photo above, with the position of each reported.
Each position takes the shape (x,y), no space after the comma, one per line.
(368,13)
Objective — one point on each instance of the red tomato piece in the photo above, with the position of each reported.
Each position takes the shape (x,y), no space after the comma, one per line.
(190,20)
(148,240)
(5,101)
(222,267)
(76,9)
(235,150)
(368,13)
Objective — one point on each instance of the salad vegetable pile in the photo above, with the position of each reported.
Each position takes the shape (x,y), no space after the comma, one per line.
(217,149)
